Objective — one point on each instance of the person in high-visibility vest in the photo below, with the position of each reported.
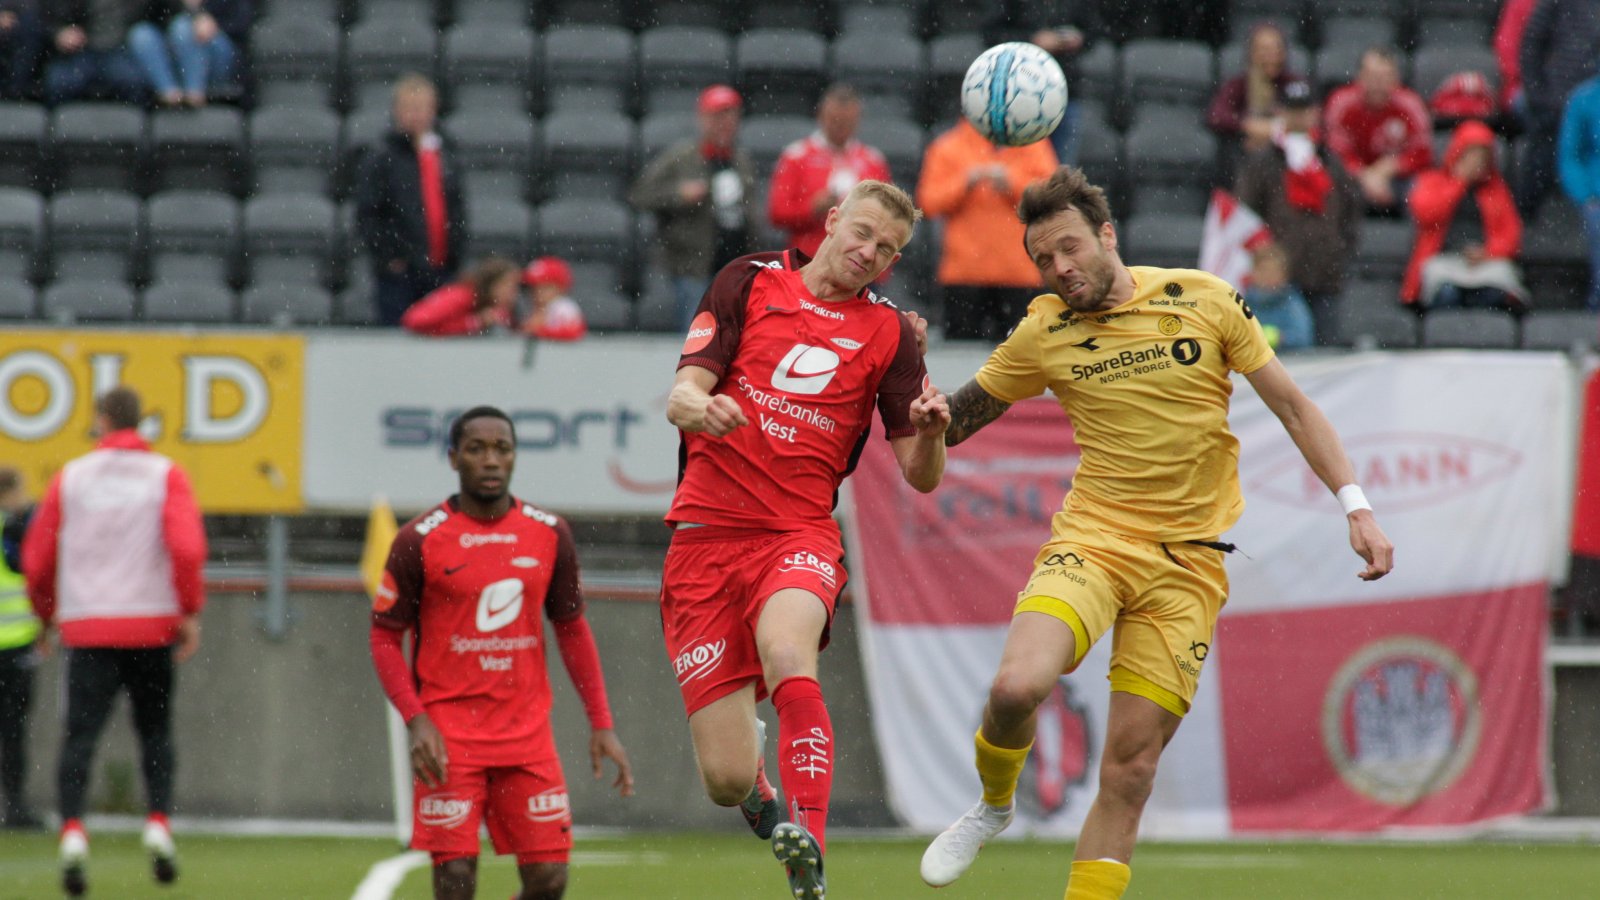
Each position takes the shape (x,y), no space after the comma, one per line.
(19,631)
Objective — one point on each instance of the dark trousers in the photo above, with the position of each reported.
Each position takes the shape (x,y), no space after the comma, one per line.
(984,312)
(99,74)
(16,695)
(94,676)
(21,49)
(394,294)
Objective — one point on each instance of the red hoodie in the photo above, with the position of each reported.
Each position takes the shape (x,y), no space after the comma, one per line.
(1435,196)
(447,311)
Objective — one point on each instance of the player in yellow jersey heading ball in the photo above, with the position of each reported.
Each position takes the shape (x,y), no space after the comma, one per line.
(1139,358)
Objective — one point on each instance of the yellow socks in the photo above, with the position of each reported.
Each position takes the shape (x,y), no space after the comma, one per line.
(1098,879)
(999,769)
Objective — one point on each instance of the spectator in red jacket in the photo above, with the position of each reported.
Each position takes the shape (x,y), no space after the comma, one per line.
(816,172)
(555,315)
(1381,130)
(479,303)
(1468,229)
(114,558)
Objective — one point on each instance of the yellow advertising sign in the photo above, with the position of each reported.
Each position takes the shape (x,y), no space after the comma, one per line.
(227,407)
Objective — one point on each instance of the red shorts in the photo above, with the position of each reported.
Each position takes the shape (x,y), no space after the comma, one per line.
(527,808)
(713,587)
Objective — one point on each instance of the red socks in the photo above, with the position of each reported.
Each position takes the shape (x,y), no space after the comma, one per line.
(805,752)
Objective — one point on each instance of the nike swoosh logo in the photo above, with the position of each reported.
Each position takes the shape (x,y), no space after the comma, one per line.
(452,571)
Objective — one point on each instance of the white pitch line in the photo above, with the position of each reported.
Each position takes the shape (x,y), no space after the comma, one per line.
(386,875)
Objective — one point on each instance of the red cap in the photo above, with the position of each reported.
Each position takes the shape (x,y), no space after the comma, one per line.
(548,270)
(719,97)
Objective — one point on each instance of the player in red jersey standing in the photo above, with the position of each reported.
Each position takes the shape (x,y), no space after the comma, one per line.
(774,394)
(469,578)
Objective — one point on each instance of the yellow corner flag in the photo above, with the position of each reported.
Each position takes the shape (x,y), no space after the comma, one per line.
(381,531)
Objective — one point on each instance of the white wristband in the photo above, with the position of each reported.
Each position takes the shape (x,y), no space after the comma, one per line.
(1351,498)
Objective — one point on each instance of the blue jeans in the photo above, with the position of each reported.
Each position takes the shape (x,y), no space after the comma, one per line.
(1591,228)
(198,66)
(687,291)
(111,74)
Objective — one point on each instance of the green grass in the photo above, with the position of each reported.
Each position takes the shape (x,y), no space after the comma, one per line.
(737,867)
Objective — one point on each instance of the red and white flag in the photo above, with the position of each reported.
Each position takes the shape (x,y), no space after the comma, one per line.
(1232,231)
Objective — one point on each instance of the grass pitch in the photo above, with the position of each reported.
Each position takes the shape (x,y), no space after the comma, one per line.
(738,867)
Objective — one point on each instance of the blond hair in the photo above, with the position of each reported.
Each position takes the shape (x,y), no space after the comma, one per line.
(895,201)
(414,83)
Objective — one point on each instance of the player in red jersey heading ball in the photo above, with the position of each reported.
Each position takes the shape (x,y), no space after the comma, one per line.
(470,578)
(774,393)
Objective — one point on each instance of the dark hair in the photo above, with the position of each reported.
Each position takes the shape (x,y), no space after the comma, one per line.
(120,406)
(482,277)
(479,412)
(1068,188)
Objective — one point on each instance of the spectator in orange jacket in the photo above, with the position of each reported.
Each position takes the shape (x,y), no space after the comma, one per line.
(816,172)
(974,186)
(1468,229)
(479,303)
(555,315)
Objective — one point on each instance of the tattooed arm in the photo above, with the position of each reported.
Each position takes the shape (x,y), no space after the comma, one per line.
(970,409)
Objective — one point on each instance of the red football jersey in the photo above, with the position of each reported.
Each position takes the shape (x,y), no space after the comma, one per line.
(472,590)
(806,373)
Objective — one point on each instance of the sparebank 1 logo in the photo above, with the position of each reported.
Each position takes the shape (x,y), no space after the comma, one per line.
(202,374)
(805,369)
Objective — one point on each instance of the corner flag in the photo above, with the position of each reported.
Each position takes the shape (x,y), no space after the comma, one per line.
(1232,231)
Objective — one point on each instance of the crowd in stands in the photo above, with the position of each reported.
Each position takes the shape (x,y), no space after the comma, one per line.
(372,162)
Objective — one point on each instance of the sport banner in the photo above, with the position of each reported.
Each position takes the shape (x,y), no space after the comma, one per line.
(226,406)
(1328,703)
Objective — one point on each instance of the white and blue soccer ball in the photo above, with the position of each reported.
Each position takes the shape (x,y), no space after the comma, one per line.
(1014,94)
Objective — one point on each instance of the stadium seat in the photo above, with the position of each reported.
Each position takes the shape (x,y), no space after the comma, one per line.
(1099,72)
(1233,57)
(590,54)
(97,145)
(495,150)
(503,13)
(785,14)
(1101,158)
(899,139)
(198,149)
(1384,249)
(684,13)
(780,71)
(1359,31)
(88,300)
(607,13)
(681,56)
(295,57)
(501,226)
(670,100)
(586,230)
(24,130)
(587,99)
(764,138)
(197,302)
(323,10)
(1555,257)
(17,300)
(94,234)
(1432,64)
(1562,329)
(657,307)
(294,149)
(1362,303)
(380,50)
(286,306)
(1477,329)
(288,239)
(362,131)
(1479,10)
(354,304)
(1163,239)
(396,11)
(1157,70)
(1388,328)
(598,287)
(1461,34)
(1169,155)
(22,230)
(193,236)
(660,130)
(949,56)
(589,154)
(488,64)
(879,63)
(864,18)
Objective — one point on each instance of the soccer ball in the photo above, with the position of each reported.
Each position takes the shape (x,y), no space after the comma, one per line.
(1014,94)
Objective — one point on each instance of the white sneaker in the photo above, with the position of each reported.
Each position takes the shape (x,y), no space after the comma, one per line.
(157,840)
(74,846)
(953,851)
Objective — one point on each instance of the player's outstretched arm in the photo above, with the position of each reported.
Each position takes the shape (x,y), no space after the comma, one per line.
(970,409)
(692,407)
(921,455)
(1311,431)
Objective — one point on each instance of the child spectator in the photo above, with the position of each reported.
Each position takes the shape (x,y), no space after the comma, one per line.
(1279,306)
(479,303)
(555,315)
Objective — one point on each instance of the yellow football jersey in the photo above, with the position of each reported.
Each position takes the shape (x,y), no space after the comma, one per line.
(1146,386)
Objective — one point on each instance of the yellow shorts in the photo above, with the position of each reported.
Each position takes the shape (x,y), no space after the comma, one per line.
(1160,600)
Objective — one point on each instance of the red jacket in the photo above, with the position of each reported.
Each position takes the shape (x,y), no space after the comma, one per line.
(116,552)
(1360,134)
(1435,196)
(446,311)
(807,167)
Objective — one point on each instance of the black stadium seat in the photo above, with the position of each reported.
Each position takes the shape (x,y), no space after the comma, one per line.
(780,71)
(17,300)
(289,239)
(192,236)
(97,145)
(495,150)
(198,149)
(88,300)
(24,128)
(22,230)
(295,56)
(200,302)
(1479,329)
(680,56)
(94,234)
(589,154)
(488,65)
(286,306)
(380,50)
(294,149)
(500,226)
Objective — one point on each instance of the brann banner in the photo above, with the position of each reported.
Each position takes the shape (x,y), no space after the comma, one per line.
(228,407)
